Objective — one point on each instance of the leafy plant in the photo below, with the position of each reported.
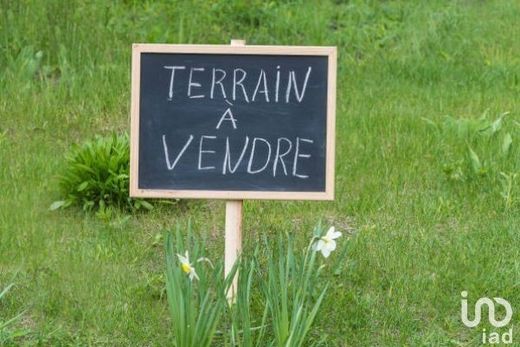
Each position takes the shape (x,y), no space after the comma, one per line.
(290,293)
(290,290)
(97,176)
(243,333)
(197,298)
(474,148)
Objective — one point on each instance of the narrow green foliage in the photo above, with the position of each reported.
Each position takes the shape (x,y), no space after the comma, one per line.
(96,176)
(246,331)
(292,279)
(290,293)
(196,305)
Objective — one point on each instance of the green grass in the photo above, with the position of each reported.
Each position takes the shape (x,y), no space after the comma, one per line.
(418,235)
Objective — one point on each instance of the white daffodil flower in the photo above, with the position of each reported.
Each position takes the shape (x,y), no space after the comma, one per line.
(326,244)
(186,266)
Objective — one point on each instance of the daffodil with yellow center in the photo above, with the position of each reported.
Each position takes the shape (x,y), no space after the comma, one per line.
(186,266)
(326,244)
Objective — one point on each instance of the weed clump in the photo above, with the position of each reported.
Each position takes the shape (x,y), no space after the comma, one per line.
(96,176)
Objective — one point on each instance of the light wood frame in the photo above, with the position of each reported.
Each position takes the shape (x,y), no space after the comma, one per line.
(329,52)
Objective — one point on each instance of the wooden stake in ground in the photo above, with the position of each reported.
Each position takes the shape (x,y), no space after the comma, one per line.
(233,241)
(233,234)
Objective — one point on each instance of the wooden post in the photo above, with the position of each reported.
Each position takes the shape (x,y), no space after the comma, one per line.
(233,241)
(233,235)
(238,42)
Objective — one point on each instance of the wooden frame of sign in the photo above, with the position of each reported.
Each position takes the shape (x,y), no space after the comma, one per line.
(329,52)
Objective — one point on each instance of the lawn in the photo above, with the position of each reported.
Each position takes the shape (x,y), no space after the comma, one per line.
(426,192)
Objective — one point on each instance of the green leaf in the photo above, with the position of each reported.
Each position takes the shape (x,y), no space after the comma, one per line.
(5,290)
(146,205)
(82,186)
(497,124)
(506,143)
(475,161)
(57,204)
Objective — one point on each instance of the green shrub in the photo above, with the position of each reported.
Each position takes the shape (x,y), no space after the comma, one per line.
(97,175)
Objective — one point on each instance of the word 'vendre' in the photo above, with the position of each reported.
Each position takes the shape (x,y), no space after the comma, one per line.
(235,79)
(285,154)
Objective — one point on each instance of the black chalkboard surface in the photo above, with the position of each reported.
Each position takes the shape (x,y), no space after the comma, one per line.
(230,123)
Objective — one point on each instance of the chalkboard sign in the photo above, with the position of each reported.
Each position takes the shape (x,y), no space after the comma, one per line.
(233,122)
